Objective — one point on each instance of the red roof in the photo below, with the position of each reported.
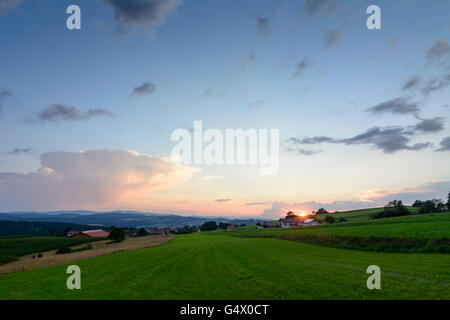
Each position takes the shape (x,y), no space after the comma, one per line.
(96,233)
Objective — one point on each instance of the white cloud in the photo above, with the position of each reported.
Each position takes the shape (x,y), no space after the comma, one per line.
(91,179)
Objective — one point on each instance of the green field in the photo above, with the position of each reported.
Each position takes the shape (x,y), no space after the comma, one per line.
(225,265)
(414,226)
(359,215)
(13,247)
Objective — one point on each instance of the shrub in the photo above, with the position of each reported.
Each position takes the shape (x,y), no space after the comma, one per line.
(39,255)
(63,250)
(330,219)
(117,234)
(392,209)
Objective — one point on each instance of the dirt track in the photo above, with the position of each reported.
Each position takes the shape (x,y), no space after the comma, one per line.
(99,248)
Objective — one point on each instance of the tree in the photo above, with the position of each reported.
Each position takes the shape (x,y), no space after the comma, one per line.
(432,206)
(209,226)
(142,232)
(417,204)
(330,219)
(448,201)
(322,211)
(394,208)
(117,234)
(223,225)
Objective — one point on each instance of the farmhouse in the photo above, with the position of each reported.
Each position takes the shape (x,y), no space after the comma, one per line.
(265,224)
(231,227)
(90,234)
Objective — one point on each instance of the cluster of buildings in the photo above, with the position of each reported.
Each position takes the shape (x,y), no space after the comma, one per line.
(87,234)
(290,221)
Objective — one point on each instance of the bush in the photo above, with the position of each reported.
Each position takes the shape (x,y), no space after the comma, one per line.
(330,219)
(208,226)
(40,255)
(392,209)
(432,206)
(342,220)
(63,250)
(117,234)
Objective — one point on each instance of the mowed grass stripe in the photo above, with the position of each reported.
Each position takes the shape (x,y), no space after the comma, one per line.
(219,266)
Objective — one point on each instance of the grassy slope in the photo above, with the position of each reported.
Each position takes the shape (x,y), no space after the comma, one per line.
(359,215)
(416,226)
(11,247)
(219,266)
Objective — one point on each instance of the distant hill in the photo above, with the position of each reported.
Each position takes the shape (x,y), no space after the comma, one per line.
(36,228)
(118,218)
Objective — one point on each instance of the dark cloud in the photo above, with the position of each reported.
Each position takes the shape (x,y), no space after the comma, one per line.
(17,151)
(445,145)
(223,200)
(411,83)
(333,37)
(142,12)
(262,23)
(430,125)
(302,152)
(60,112)
(395,106)
(304,64)
(435,84)
(388,140)
(3,95)
(5,5)
(145,88)
(438,51)
(312,140)
(320,6)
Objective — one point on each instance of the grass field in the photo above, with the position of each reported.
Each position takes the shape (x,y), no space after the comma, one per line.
(414,226)
(217,265)
(359,215)
(13,247)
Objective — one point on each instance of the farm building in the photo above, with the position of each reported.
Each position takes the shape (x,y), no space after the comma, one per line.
(265,224)
(231,227)
(90,234)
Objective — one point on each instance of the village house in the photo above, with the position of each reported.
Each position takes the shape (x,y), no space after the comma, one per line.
(231,227)
(265,224)
(89,234)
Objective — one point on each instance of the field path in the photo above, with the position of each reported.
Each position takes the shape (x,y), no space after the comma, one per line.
(99,248)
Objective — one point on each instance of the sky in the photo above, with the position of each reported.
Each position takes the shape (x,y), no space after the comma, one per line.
(86,116)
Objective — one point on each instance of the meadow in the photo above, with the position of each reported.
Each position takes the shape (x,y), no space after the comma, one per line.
(13,247)
(247,265)
(217,265)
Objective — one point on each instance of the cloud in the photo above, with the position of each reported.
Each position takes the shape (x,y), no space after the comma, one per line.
(333,37)
(388,140)
(145,88)
(411,83)
(256,104)
(435,84)
(17,151)
(426,191)
(303,65)
(5,5)
(262,23)
(142,12)
(430,125)
(91,179)
(222,200)
(256,203)
(314,7)
(60,112)
(445,145)
(3,95)
(302,152)
(395,106)
(438,51)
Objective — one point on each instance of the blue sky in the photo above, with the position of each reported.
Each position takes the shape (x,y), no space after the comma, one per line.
(212,61)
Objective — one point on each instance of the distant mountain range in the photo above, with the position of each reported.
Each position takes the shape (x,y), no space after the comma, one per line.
(119,218)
